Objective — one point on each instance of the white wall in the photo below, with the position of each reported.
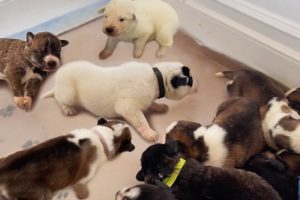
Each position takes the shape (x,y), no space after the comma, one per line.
(255,35)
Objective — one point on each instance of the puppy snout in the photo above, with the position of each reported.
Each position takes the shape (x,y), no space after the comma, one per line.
(109,30)
(131,147)
(52,64)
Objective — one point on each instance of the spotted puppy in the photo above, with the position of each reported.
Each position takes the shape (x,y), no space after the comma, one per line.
(293,97)
(276,173)
(70,160)
(121,91)
(25,64)
(145,192)
(234,136)
(194,181)
(281,124)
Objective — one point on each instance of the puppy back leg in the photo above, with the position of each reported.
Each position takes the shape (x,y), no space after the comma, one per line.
(137,119)
(139,46)
(66,98)
(81,191)
(111,44)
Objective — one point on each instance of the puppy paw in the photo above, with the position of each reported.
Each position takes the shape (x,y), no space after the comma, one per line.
(81,191)
(137,55)
(19,101)
(161,52)
(69,110)
(27,103)
(104,54)
(150,136)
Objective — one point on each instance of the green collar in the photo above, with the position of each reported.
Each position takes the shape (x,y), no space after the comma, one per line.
(169,181)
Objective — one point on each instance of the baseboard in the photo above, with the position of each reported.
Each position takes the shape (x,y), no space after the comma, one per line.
(239,41)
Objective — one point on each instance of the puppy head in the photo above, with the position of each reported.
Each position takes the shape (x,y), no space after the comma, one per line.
(43,50)
(183,133)
(178,79)
(119,17)
(120,135)
(158,162)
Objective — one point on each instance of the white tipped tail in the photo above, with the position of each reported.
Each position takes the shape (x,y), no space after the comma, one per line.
(48,94)
(219,74)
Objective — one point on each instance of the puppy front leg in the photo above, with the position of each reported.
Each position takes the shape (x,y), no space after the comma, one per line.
(32,87)
(109,48)
(139,46)
(81,191)
(137,119)
(158,107)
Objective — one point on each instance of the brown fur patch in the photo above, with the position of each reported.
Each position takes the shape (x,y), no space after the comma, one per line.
(286,109)
(289,124)
(282,141)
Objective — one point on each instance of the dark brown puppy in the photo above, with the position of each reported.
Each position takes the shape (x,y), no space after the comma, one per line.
(25,64)
(66,161)
(235,135)
(199,182)
(293,97)
(276,173)
(281,124)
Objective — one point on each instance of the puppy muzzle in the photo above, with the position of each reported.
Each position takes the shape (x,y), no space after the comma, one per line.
(51,63)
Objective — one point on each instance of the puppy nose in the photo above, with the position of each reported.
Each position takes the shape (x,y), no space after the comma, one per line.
(51,63)
(109,29)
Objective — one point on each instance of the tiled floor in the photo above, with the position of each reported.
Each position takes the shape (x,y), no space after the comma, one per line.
(19,129)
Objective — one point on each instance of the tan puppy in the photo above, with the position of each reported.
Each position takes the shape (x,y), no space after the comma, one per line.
(235,135)
(139,22)
(281,124)
(71,160)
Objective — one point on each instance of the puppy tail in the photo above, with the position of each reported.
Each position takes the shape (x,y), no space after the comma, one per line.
(48,94)
(226,74)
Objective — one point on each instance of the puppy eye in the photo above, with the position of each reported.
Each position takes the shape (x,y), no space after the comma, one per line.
(121,19)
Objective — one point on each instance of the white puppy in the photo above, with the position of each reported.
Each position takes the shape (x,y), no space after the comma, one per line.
(125,90)
(139,22)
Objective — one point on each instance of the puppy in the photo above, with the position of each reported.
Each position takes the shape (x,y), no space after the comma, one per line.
(25,64)
(125,90)
(291,161)
(235,135)
(71,160)
(195,181)
(145,192)
(276,174)
(139,22)
(281,124)
(293,97)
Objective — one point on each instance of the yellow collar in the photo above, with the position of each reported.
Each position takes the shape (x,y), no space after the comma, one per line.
(169,181)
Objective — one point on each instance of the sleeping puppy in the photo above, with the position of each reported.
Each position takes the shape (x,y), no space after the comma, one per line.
(190,180)
(291,161)
(24,65)
(70,160)
(235,135)
(145,192)
(276,174)
(139,22)
(126,90)
(293,97)
(281,124)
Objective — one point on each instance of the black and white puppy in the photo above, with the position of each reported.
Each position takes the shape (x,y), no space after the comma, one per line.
(234,136)
(281,124)
(145,192)
(276,173)
(199,182)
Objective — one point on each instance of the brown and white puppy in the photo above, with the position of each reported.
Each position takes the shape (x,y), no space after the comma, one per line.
(145,192)
(276,173)
(234,136)
(293,97)
(25,64)
(71,160)
(199,182)
(281,124)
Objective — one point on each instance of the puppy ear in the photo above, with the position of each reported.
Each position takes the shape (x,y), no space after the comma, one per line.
(172,147)
(185,70)
(102,121)
(64,43)
(133,17)
(101,10)
(29,38)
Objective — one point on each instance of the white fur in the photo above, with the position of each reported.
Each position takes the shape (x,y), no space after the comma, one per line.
(155,20)
(124,90)
(30,75)
(52,58)
(290,91)
(2,76)
(214,138)
(293,135)
(171,126)
(272,117)
(132,193)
